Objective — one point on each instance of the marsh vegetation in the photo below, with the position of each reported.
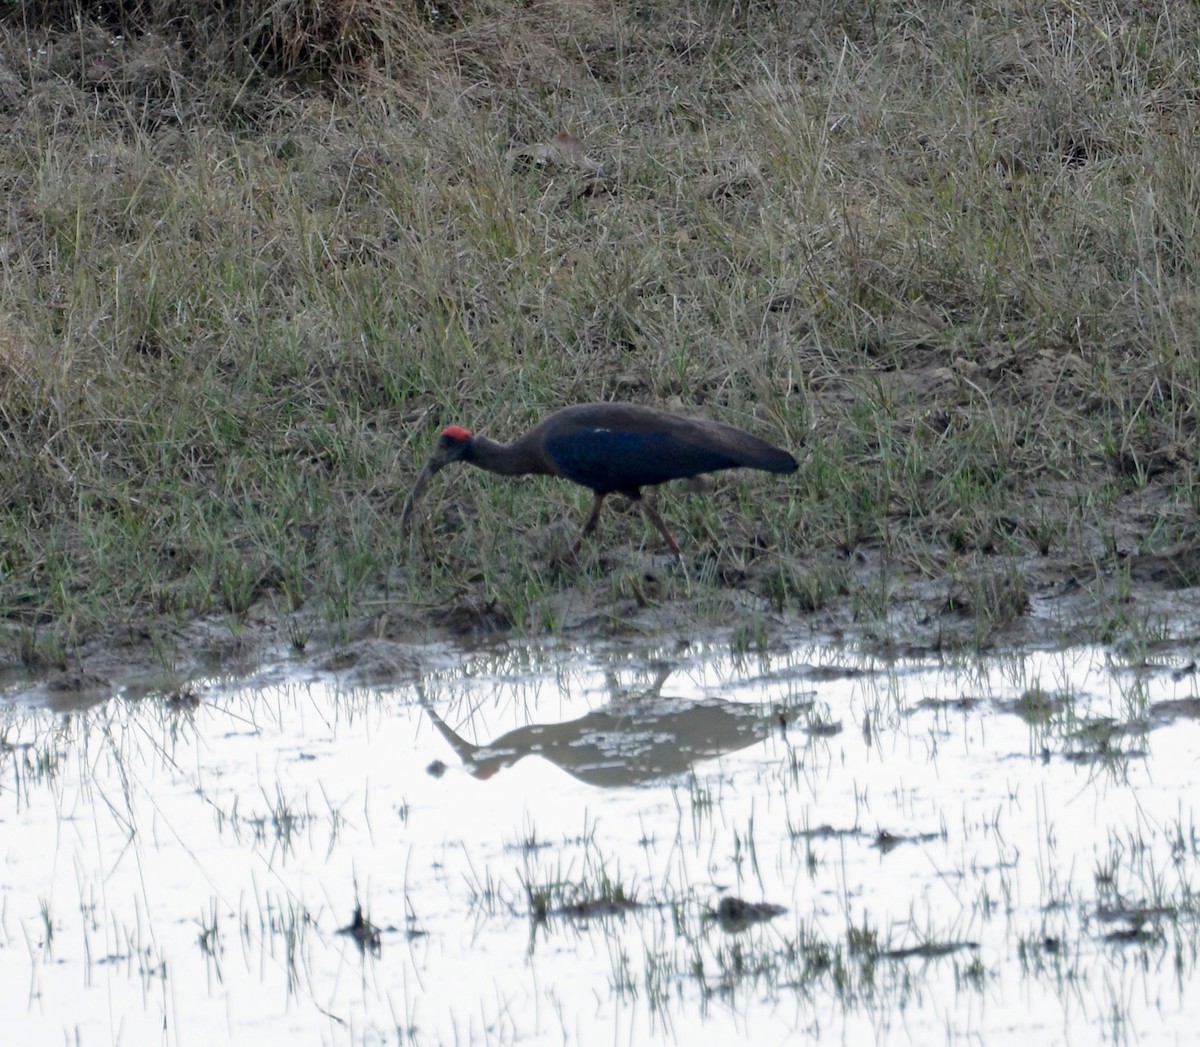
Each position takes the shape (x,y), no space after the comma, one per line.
(906,749)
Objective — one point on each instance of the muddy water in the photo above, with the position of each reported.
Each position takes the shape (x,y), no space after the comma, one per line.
(621,846)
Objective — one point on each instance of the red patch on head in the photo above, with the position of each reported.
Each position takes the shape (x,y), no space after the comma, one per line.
(456,432)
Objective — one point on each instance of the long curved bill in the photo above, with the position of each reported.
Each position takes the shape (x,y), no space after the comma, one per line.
(431,468)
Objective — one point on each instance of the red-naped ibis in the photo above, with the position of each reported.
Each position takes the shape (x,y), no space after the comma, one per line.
(609,447)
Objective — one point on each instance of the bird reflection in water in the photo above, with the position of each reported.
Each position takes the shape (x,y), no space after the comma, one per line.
(632,740)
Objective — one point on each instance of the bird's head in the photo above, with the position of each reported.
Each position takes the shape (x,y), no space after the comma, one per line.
(452,446)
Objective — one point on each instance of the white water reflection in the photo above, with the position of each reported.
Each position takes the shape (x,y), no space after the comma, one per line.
(998,850)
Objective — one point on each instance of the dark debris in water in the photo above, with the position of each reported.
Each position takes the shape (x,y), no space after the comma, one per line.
(1140,922)
(1150,667)
(1035,706)
(825,832)
(886,841)
(363,931)
(183,700)
(929,950)
(594,907)
(963,704)
(1101,730)
(582,909)
(736,914)
(1135,914)
(1168,711)
(829,673)
(1098,740)
(1136,934)
(1103,753)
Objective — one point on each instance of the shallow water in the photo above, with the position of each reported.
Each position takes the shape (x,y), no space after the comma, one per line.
(998,849)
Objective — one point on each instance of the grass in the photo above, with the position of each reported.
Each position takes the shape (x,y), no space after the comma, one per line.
(947,255)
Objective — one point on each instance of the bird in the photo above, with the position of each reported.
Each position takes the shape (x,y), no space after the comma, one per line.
(610,448)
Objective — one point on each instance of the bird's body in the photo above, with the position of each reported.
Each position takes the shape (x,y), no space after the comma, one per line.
(610,448)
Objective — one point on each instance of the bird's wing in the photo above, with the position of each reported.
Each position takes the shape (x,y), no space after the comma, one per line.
(621,459)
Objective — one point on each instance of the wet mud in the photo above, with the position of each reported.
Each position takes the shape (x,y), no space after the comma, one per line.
(1147,601)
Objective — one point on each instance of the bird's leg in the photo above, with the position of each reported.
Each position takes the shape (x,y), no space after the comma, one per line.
(590,526)
(654,518)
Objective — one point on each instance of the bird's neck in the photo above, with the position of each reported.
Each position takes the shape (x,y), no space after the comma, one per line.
(515,459)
